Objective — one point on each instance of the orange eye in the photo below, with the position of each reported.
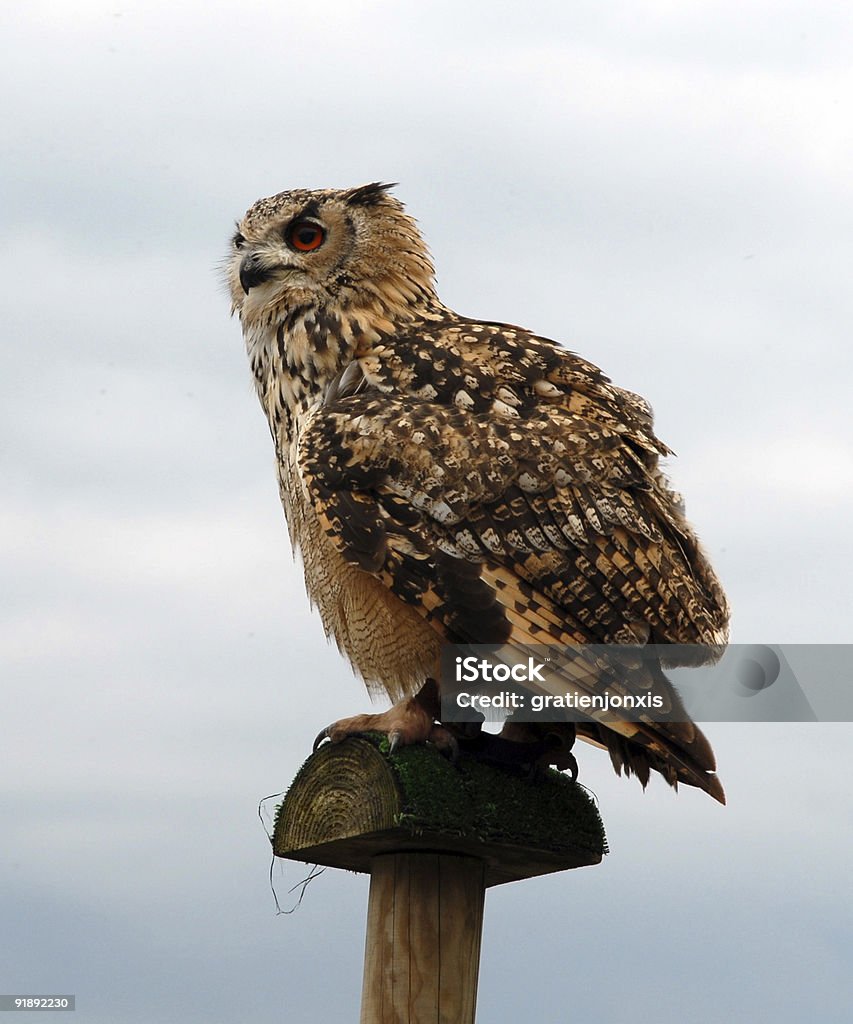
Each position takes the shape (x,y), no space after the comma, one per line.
(304,235)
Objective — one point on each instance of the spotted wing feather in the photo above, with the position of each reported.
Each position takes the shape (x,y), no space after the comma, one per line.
(512,494)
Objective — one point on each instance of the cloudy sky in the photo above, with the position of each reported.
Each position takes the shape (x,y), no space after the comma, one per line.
(664,186)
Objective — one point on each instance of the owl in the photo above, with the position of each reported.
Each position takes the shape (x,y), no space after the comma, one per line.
(448,480)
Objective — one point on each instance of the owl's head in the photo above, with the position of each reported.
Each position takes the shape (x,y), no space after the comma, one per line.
(348,249)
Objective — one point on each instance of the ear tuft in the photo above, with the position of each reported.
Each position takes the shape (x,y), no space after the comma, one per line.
(368,195)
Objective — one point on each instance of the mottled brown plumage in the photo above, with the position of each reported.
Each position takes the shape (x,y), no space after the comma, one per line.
(447,479)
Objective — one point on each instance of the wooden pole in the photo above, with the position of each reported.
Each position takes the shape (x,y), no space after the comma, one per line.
(422,951)
(433,837)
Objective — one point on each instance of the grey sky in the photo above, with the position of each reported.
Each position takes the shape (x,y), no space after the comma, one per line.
(666,187)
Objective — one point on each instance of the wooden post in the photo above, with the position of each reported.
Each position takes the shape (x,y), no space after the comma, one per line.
(433,837)
(424,925)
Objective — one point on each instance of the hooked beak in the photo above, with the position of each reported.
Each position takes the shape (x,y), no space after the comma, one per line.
(252,272)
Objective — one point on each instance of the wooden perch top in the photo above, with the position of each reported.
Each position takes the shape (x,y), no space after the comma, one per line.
(352,800)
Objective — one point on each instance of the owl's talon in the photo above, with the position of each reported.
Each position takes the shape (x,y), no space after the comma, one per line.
(324,735)
(404,724)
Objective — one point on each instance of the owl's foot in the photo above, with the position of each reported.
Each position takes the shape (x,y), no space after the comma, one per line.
(526,747)
(410,721)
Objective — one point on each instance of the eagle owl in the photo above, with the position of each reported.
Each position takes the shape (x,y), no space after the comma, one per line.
(449,480)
